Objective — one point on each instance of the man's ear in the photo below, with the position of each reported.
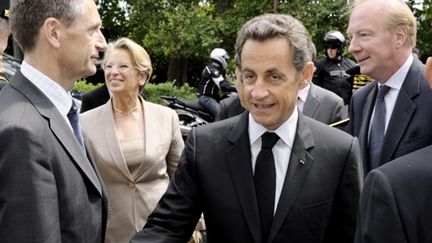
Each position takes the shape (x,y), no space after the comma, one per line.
(428,71)
(307,74)
(51,31)
(401,33)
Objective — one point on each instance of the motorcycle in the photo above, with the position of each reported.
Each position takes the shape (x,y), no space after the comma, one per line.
(190,113)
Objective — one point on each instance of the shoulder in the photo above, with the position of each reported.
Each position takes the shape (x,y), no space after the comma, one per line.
(327,95)
(149,106)
(322,131)
(93,115)
(410,168)
(349,62)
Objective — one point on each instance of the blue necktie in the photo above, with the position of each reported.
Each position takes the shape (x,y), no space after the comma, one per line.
(74,121)
(265,182)
(376,138)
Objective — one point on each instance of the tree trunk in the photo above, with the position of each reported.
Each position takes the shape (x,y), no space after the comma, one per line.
(276,6)
(177,70)
(223,5)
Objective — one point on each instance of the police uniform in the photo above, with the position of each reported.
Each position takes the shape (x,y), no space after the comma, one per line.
(330,74)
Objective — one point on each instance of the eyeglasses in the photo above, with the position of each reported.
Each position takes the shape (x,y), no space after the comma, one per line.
(119,67)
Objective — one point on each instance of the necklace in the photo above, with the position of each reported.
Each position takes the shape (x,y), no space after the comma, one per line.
(126,112)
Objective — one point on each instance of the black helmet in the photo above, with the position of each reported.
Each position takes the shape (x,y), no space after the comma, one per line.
(334,39)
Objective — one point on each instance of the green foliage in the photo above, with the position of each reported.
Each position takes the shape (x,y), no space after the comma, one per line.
(187,30)
(153,92)
(83,86)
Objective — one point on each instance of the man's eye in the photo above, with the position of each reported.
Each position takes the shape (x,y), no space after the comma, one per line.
(275,77)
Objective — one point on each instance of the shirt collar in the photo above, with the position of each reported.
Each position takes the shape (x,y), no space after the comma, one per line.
(303,93)
(397,79)
(286,131)
(60,98)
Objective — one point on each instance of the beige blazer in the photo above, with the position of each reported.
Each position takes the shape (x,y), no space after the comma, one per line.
(131,198)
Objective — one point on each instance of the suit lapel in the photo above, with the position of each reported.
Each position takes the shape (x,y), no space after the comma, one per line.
(401,116)
(311,105)
(58,126)
(111,139)
(299,165)
(365,120)
(239,163)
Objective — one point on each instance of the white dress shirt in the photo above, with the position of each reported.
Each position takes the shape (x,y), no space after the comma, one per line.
(395,83)
(281,150)
(302,96)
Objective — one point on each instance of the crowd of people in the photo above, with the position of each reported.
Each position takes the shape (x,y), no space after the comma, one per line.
(274,167)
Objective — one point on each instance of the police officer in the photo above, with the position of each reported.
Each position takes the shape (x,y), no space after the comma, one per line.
(330,71)
(4,36)
(213,80)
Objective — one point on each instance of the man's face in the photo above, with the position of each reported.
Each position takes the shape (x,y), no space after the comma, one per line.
(270,81)
(82,42)
(372,44)
(332,52)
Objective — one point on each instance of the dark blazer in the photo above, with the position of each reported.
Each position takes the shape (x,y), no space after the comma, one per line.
(410,124)
(318,202)
(321,105)
(49,190)
(94,98)
(396,201)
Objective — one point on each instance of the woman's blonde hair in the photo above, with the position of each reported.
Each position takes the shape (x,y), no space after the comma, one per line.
(140,57)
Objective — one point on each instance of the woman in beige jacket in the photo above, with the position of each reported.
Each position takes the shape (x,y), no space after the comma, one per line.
(136,144)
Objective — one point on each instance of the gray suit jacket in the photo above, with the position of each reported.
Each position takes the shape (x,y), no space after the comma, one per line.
(409,127)
(319,197)
(323,105)
(49,190)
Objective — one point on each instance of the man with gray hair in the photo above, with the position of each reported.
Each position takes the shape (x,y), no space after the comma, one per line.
(270,174)
(50,190)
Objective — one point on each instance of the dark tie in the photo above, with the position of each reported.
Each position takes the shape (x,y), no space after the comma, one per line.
(377,128)
(74,121)
(265,182)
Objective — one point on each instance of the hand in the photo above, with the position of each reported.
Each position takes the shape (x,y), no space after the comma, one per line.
(428,71)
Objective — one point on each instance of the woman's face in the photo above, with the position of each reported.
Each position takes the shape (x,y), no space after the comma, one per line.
(121,76)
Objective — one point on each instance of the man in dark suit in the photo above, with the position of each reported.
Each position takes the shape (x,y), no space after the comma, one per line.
(49,190)
(95,98)
(312,196)
(396,198)
(382,42)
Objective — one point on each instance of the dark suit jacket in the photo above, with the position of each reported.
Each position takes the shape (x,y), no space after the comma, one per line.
(410,124)
(94,98)
(396,201)
(318,202)
(49,190)
(321,105)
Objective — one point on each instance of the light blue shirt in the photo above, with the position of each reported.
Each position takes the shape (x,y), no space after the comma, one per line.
(59,97)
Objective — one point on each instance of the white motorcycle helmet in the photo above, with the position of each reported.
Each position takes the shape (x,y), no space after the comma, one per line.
(220,56)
